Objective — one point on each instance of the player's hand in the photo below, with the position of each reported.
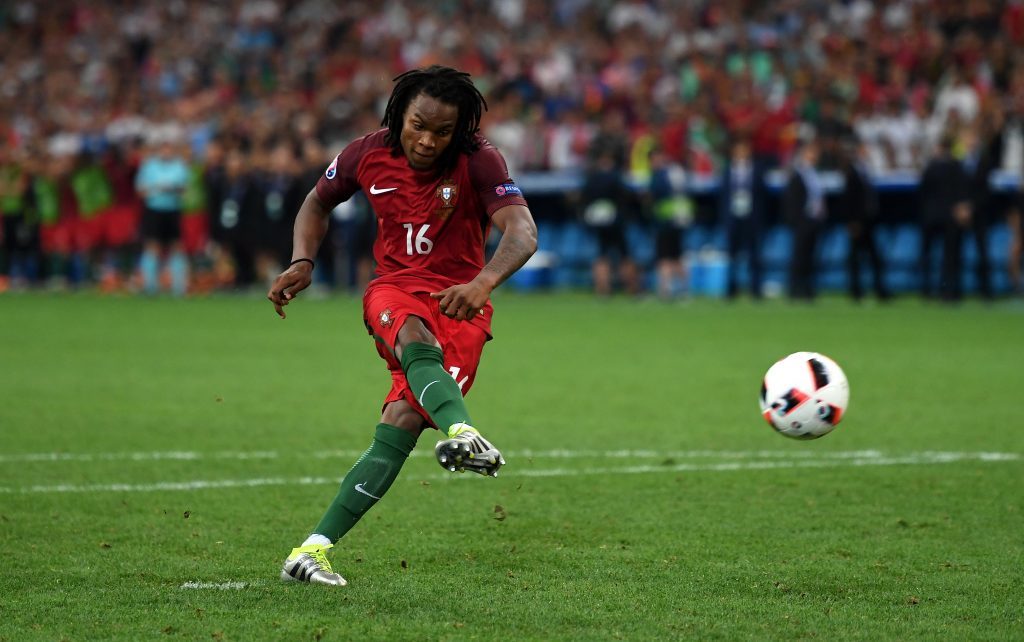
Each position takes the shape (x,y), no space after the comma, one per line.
(462,302)
(288,284)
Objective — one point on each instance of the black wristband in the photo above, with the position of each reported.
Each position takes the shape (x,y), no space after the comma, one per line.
(310,261)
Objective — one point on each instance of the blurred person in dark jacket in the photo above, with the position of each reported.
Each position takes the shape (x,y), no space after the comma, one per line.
(859,210)
(672,211)
(282,192)
(741,206)
(803,209)
(945,214)
(981,153)
(235,205)
(19,235)
(607,202)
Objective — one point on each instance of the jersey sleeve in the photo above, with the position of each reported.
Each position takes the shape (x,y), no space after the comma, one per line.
(488,174)
(339,182)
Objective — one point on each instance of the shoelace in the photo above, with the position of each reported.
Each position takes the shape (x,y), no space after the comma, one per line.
(321,559)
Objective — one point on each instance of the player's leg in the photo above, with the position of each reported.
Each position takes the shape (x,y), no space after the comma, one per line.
(364,485)
(410,330)
(438,391)
(433,386)
(374,472)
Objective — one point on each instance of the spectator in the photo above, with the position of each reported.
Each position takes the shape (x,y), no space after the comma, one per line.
(58,213)
(859,205)
(282,195)
(957,96)
(673,213)
(945,212)
(606,202)
(803,208)
(94,197)
(121,224)
(902,73)
(741,207)
(19,231)
(195,222)
(235,206)
(980,155)
(161,182)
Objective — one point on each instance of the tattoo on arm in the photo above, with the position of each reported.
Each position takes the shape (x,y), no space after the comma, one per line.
(513,251)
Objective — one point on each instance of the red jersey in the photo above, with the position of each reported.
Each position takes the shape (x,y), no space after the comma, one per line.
(431,225)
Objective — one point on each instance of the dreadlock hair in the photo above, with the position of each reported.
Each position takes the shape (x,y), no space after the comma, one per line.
(448,85)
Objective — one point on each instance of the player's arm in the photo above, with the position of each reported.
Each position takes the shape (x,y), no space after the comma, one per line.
(310,228)
(517,245)
(337,185)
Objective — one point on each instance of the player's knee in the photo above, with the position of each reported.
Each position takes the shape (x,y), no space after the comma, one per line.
(401,415)
(414,331)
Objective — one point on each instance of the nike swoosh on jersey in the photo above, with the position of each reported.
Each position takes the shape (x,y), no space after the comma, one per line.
(383,190)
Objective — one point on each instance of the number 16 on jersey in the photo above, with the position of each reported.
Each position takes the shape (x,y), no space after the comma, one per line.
(419,244)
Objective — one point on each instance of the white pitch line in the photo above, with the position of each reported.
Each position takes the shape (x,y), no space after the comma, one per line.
(176,455)
(185,455)
(197,484)
(909,460)
(912,459)
(223,586)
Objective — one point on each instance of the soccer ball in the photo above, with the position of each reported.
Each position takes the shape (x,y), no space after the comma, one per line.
(804,395)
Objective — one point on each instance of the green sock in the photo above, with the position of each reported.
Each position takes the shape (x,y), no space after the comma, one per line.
(434,387)
(366,483)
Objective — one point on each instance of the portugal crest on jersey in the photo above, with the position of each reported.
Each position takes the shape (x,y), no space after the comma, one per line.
(447,191)
(386,318)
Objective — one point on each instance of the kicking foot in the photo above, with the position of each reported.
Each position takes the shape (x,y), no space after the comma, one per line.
(466,449)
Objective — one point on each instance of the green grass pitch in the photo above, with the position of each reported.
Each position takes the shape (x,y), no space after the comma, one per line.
(159,458)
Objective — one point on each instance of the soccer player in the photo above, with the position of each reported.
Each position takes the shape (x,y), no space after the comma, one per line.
(436,186)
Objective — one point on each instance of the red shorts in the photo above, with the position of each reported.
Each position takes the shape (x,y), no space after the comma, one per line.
(194,232)
(88,232)
(120,225)
(56,238)
(385,309)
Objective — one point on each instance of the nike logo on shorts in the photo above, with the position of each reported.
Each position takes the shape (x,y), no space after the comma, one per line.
(383,190)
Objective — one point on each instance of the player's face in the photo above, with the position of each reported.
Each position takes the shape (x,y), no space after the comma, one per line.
(427,130)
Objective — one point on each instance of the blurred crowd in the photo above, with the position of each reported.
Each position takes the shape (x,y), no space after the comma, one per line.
(252,98)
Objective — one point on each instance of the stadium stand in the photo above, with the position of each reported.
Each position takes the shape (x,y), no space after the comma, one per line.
(98,84)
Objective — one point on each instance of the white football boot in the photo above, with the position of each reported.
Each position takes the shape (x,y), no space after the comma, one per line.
(309,564)
(466,449)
